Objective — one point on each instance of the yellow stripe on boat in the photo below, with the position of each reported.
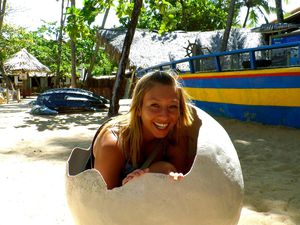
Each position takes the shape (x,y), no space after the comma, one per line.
(241,73)
(267,97)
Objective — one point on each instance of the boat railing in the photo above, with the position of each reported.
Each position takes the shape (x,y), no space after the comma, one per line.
(268,56)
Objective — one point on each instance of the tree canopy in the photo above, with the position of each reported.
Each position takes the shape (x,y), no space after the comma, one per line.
(44,45)
(169,15)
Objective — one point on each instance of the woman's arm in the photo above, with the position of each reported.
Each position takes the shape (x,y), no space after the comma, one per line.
(178,155)
(109,159)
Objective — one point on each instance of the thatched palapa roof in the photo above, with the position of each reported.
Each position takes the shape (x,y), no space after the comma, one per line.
(150,48)
(23,61)
(40,74)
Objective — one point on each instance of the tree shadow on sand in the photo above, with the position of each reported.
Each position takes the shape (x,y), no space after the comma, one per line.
(64,121)
(51,137)
(50,145)
(55,149)
(269,156)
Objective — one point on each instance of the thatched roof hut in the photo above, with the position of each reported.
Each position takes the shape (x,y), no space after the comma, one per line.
(23,61)
(150,48)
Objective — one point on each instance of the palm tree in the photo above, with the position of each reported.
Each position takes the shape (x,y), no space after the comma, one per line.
(255,8)
(279,11)
(97,47)
(228,25)
(2,57)
(60,40)
(184,19)
(2,12)
(114,105)
(73,56)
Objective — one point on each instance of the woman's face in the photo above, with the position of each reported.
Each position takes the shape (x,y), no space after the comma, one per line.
(159,112)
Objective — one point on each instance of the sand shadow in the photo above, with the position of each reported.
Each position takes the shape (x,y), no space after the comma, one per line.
(55,149)
(269,156)
(63,121)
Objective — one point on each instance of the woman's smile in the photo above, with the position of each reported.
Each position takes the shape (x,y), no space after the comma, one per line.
(161,126)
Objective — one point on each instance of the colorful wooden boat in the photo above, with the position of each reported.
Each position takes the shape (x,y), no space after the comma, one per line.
(252,88)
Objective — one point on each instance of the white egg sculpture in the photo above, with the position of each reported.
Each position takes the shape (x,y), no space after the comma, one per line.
(210,194)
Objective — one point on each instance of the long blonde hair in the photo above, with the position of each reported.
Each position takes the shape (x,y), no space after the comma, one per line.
(130,126)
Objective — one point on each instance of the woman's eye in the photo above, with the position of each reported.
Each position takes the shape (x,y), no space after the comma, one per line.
(173,107)
(154,105)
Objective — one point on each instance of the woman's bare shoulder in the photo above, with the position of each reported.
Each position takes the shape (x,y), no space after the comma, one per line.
(107,143)
(109,158)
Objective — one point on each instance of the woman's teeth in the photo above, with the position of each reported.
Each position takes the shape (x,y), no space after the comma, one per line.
(161,125)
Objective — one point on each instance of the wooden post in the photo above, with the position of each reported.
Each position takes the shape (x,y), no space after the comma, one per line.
(7,94)
(24,88)
(18,95)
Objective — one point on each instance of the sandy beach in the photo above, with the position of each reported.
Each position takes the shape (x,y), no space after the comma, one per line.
(34,150)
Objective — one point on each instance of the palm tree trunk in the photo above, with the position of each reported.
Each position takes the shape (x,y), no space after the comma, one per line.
(2,71)
(105,17)
(246,17)
(73,57)
(2,12)
(265,18)
(94,55)
(60,39)
(73,68)
(9,84)
(114,105)
(184,19)
(228,26)
(92,61)
(279,11)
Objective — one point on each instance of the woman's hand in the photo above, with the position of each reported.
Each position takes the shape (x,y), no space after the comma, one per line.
(140,172)
(135,173)
(166,168)
(176,176)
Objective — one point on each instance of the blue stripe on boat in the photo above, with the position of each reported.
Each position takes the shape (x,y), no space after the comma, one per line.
(244,82)
(274,115)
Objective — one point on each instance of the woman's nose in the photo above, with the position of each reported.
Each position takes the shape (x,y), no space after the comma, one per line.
(164,112)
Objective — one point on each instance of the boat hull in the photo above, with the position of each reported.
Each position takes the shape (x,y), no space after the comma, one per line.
(269,96)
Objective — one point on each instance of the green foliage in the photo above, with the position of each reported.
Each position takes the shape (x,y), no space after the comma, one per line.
(76,27)
(124,10)
(160,15)
(169,15)
(43,45)
(85,49)
(104,66)
(166,15)
(79,29)
(257,9)
(92,8)
(204,15)
(12,40)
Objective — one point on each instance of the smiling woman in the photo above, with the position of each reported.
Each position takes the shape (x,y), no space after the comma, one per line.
(150,138)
